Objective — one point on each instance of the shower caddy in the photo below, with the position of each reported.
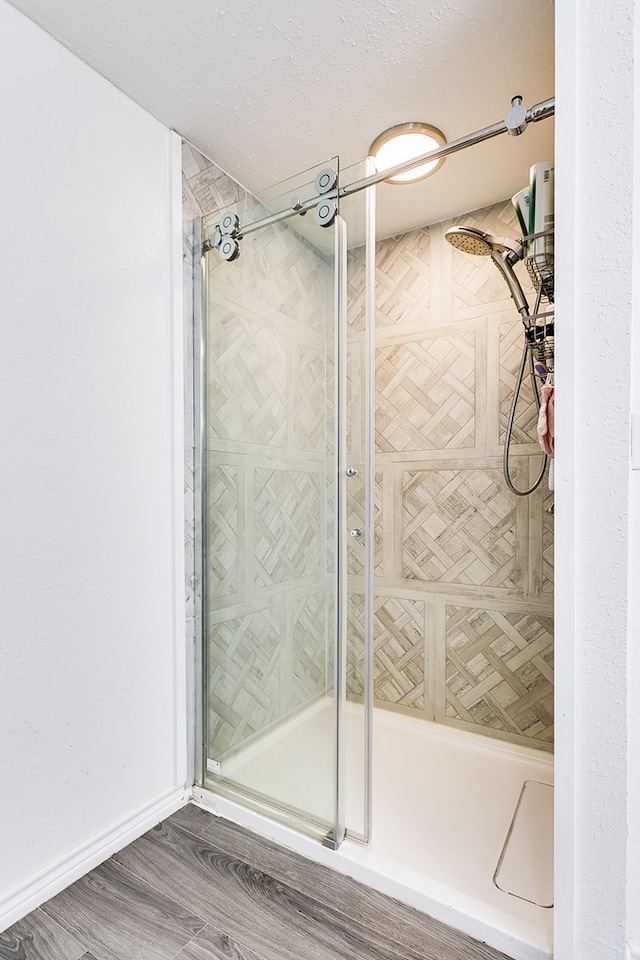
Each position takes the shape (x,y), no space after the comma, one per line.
(539,347)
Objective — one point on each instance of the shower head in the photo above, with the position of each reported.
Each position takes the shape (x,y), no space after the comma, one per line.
(481,244)
(469,240)
(502,251)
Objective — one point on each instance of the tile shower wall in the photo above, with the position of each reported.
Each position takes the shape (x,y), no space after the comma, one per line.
(265,465)
(205,188)
(464,569)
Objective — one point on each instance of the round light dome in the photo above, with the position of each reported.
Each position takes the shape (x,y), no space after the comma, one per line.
(404,142)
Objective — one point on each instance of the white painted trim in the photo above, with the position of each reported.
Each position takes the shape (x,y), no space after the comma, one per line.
(41,886)
(177,443)
(197,658)
(565,483)
(356,861)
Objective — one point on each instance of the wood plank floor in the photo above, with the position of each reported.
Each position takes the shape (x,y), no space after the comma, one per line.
(200,888)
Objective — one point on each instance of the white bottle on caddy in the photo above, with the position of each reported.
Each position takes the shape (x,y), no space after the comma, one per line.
(520,202)
(541,218)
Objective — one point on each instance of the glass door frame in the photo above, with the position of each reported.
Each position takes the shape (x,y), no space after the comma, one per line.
(334,838)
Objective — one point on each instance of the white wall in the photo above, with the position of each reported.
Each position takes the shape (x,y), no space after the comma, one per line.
(92,717)
(633,853)
(91,747)
(598,743)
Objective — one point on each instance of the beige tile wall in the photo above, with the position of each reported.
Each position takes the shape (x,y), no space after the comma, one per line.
(268,498)
(269,374)
(464,569)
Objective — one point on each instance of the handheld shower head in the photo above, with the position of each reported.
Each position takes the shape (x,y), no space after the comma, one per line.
(503,252)
(469,240)
(481,244)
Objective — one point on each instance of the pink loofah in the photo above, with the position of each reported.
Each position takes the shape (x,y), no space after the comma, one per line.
(546,419)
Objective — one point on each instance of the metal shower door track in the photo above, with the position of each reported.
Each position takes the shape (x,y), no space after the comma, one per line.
(540,111)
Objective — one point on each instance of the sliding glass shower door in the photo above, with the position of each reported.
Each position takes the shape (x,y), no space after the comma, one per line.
(273,474)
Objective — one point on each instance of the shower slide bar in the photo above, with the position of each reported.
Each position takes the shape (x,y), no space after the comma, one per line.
(515,122)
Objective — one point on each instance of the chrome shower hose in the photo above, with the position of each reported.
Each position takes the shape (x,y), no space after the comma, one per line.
(526,354)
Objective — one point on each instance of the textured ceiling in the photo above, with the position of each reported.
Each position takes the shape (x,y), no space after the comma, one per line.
(267,89)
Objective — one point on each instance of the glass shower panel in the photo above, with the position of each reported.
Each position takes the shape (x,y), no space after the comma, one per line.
(270,476)
(358,211)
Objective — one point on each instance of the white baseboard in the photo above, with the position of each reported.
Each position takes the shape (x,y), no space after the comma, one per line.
(31,893)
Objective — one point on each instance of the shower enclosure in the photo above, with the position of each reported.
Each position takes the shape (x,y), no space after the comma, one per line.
(377,617)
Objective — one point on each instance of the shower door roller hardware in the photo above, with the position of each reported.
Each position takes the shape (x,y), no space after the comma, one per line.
(516,118)
(229,224)
(224,237)
(351,471)
(229,249)
(326,180)
(325,213)
(298,205)
(357,533)
(213,242)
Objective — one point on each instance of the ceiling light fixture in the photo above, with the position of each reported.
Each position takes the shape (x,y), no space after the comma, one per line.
(404,142)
